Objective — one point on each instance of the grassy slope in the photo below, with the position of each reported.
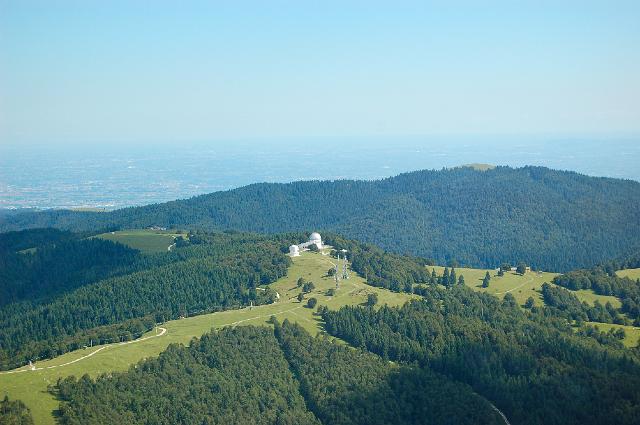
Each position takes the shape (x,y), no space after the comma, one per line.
(521,287)
(632,335)
(630,273)
(149,241)
(31,386)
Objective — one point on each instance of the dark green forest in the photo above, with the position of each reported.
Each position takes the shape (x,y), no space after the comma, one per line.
(52,268)
(235,376)
(531,366)
(247,375)
(551,220)
(85,301)
(346,386)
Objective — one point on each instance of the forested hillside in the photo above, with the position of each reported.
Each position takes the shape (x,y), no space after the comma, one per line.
(77,292)
(246,375)
(236,376)
(530,365)
(60,265)
(554,220)
(448,357)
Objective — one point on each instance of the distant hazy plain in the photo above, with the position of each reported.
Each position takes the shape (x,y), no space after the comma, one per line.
(119,175)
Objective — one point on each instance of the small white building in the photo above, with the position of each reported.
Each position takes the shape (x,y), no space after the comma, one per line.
(294,251)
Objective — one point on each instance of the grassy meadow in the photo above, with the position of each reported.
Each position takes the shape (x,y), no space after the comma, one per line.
(146,240)
(521,287)
(632,334)
(31,386)
(630,273)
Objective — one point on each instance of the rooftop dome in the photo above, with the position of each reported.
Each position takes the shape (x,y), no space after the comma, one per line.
(315,236)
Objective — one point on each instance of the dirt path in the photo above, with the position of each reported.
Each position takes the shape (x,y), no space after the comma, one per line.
(162,332)
(506,421)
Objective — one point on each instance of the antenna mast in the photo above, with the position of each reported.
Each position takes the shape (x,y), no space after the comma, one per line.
(345,271)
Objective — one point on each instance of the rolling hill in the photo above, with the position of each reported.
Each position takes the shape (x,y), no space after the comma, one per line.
(552,220)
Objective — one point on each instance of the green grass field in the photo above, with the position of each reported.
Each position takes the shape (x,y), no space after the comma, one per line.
(529,285)
(630,273)
(146,240)
(590,297)
(31,386)
(632,334)
(521,287)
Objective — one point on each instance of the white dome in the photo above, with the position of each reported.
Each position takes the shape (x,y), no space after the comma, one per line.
(315,236)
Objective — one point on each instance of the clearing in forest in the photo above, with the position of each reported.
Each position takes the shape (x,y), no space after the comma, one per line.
(146,240)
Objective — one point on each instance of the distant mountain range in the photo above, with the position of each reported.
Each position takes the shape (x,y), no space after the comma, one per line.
(478,216)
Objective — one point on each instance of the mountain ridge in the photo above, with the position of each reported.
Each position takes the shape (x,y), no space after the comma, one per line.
(556,220)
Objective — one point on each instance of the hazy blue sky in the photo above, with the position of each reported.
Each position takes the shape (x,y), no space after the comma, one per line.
(144,71)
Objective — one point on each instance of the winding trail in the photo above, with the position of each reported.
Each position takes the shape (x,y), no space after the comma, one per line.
(162,332)
(506,421)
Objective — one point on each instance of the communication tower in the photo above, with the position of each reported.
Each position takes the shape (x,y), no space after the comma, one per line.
(345,270)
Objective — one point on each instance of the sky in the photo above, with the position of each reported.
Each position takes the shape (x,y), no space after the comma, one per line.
(133,72)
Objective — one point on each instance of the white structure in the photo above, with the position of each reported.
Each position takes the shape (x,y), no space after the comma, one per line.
(314,239)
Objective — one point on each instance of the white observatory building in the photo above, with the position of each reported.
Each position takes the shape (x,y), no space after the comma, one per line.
(314,239)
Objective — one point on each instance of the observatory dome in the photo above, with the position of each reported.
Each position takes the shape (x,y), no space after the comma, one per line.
(315,237)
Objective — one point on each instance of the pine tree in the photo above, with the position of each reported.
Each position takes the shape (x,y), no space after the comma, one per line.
(485,281)
(522,269)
